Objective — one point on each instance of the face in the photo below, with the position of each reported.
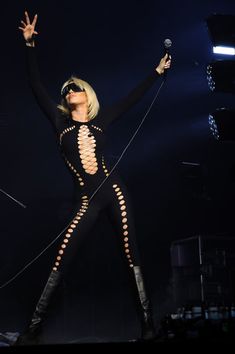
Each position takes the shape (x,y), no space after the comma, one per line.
(73,94)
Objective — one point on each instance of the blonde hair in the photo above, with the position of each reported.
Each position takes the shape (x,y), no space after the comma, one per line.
(93,103)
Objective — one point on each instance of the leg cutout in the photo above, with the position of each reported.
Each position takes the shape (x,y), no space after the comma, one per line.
(125,226)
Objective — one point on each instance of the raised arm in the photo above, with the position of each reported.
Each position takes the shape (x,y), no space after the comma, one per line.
(113,112)
(47,105)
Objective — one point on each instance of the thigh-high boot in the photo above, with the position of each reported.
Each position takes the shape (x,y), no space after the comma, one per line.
(148,331)
(33,331)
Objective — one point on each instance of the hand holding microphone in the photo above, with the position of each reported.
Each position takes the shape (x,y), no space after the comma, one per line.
(165,62)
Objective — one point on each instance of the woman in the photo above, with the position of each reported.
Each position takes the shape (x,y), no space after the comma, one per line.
(80,125)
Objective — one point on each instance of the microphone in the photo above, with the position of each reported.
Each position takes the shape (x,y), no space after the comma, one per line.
(167,45)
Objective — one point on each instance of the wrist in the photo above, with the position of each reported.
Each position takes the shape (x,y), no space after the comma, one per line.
(29,44)
(30,41)
(159,71)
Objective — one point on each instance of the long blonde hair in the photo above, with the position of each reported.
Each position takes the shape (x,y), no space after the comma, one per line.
(93,103)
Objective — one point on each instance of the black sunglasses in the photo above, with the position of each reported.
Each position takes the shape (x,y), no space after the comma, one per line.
(72,86)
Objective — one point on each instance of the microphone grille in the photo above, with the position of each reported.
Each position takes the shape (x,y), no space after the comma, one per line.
(167,43)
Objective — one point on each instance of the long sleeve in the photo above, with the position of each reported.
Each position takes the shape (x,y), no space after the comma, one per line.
(113,112)
(47,105)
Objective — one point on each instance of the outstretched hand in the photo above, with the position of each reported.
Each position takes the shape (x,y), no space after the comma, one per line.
(28,28)
(165,63)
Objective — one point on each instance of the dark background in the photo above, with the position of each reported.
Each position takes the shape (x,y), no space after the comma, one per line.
(113,46)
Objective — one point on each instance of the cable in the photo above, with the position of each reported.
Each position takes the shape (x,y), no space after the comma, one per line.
(92,196)
(35,258)
(130,141)
(15,200)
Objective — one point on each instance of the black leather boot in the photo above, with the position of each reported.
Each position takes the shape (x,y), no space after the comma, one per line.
(148,331)
(32,335)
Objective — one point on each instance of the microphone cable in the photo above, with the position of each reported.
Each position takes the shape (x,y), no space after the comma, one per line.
(12,198)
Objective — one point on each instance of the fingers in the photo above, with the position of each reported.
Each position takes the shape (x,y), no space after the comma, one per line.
(27,18)
(23,23)
(168,60)
(27,26)
(167,64)
(167,56)
(34,20)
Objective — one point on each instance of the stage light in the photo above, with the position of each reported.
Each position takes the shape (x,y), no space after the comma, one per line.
(224,50)
(221,73)
(221,29)
(222,124)
(221,76)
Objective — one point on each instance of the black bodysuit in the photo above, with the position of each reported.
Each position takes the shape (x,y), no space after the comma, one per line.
(84,142)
